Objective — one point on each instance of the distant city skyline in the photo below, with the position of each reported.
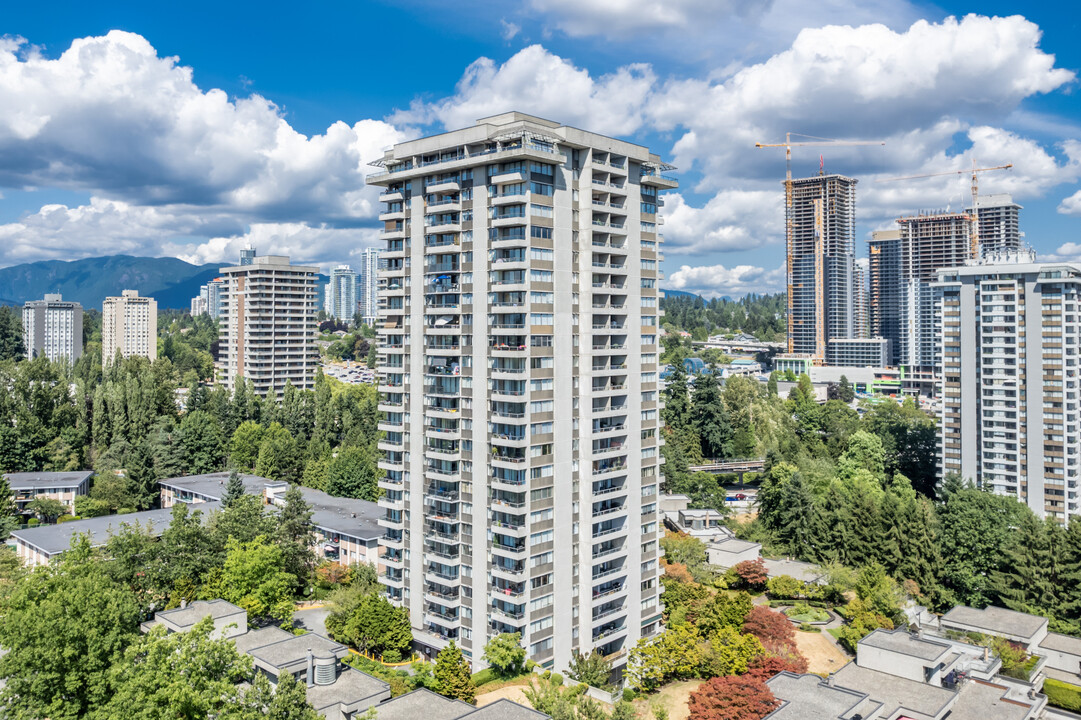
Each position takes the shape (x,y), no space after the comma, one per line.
(274,151)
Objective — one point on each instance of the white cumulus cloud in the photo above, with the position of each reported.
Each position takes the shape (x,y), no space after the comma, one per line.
(716,280)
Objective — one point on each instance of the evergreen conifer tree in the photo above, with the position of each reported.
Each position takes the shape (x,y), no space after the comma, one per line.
(452,674)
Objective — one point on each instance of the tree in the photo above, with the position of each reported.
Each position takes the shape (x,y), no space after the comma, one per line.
(709,416)
(721,611)
(729,652)
(278,458)
(234,489)
(9,512)
(294,534)
(752,573)
(505,653)
(46,508)
(672,655)
(593,669)
(732,698)
(200,436)
(287,700)
(452,674)
(244,445)
(190,550)
(623,710)
(244,519)
(772,629)
(353,473)
(376,626)
(64,626)
(190,676)
(253,578)
(766,666)
(845,391)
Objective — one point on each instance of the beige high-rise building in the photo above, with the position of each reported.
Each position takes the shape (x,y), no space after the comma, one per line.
(518,330)
(129,325)
(268,325)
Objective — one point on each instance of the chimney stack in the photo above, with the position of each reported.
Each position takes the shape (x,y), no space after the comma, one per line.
(311,668)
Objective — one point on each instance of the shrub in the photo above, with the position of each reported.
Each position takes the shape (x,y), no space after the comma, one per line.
(629,694)
(1062,695)
(557,678)
(392,655)
(485,676)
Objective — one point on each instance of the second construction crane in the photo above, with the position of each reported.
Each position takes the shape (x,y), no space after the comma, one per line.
(974,237)
(819,307)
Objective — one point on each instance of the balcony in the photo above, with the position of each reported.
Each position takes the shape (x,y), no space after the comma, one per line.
(443,186)
(507,178)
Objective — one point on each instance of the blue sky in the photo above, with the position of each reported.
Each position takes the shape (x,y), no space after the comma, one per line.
(144,129)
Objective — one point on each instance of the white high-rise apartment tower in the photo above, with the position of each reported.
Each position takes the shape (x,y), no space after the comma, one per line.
(1008,359)
(341,294)
(267,325)
(129,325)
(518,334)
(368,283)
(53,328)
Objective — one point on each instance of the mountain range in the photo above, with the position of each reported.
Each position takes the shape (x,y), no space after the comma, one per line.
(169,280)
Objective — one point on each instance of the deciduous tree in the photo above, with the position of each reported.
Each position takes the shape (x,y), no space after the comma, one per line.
(732,698)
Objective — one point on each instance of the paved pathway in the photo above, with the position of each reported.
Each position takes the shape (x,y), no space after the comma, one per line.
(312,618)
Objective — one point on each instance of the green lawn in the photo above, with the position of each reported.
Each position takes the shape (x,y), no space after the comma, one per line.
(815,615)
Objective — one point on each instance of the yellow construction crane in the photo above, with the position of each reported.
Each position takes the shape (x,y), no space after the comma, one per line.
(974,237)
(819,297)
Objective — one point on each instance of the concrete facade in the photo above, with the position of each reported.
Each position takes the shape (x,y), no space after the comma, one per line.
(53,328)
(129,326)
(519,386)
(268,325)
(1008,360)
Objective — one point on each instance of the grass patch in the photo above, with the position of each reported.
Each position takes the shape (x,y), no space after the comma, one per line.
(491,680)
(835,632)
(1062,695)
(813,616)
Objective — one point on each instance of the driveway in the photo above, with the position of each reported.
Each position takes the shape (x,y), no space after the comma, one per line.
(312,619)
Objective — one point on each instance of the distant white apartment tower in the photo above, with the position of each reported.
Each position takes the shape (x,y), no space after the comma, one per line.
(340,302)
(198,306)
(209,300)
(368,284)
(999,224)
(268,325)
(1008,361)
(247,255)
(519,358)
(53,328)
(129,326)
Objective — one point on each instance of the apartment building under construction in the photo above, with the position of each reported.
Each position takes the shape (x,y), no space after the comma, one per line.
(821,244)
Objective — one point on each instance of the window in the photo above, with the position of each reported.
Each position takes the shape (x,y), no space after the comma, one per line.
(649,227)
(649,377)
(545,189)
(540,450)
(649,320)
(542,169)
(649,396)
(647,283)
(539,363)
(542,624)
(542,384)
(649,452)
(545,298)
(649,415)
(544,558)
(649,339)
(648,490)
(541,428)
(649,566)
(538,538)
(538,494)
(542,276)
(541,602)
(541,580)
(541,318)
(542,253)
(649,264)
(540,340)
(538,648)
(540,515)
(544,233)
(540,472)
(649,207)
(512,189)
(540,210)
(649,302)
(539,406)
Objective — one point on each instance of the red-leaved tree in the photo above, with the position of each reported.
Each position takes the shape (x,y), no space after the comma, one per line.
(764,667)
(773,629)
(752,573)
(732,697)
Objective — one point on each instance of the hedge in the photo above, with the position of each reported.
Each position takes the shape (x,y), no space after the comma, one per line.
(1062,695)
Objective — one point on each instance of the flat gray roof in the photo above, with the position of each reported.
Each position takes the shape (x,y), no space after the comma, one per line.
(294,649)
(793,568)
(348,516)
(996,620)
(53,539)
(46,480)
(187,617)
(901,641)
(1062,643)
(212,485)
(981,700)
(809,696)
(504,709)
(260,638)
(351,686)
(895,692)
(422,703)
(733,545)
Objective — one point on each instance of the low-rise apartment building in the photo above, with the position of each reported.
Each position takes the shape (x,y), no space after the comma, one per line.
(62,486)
